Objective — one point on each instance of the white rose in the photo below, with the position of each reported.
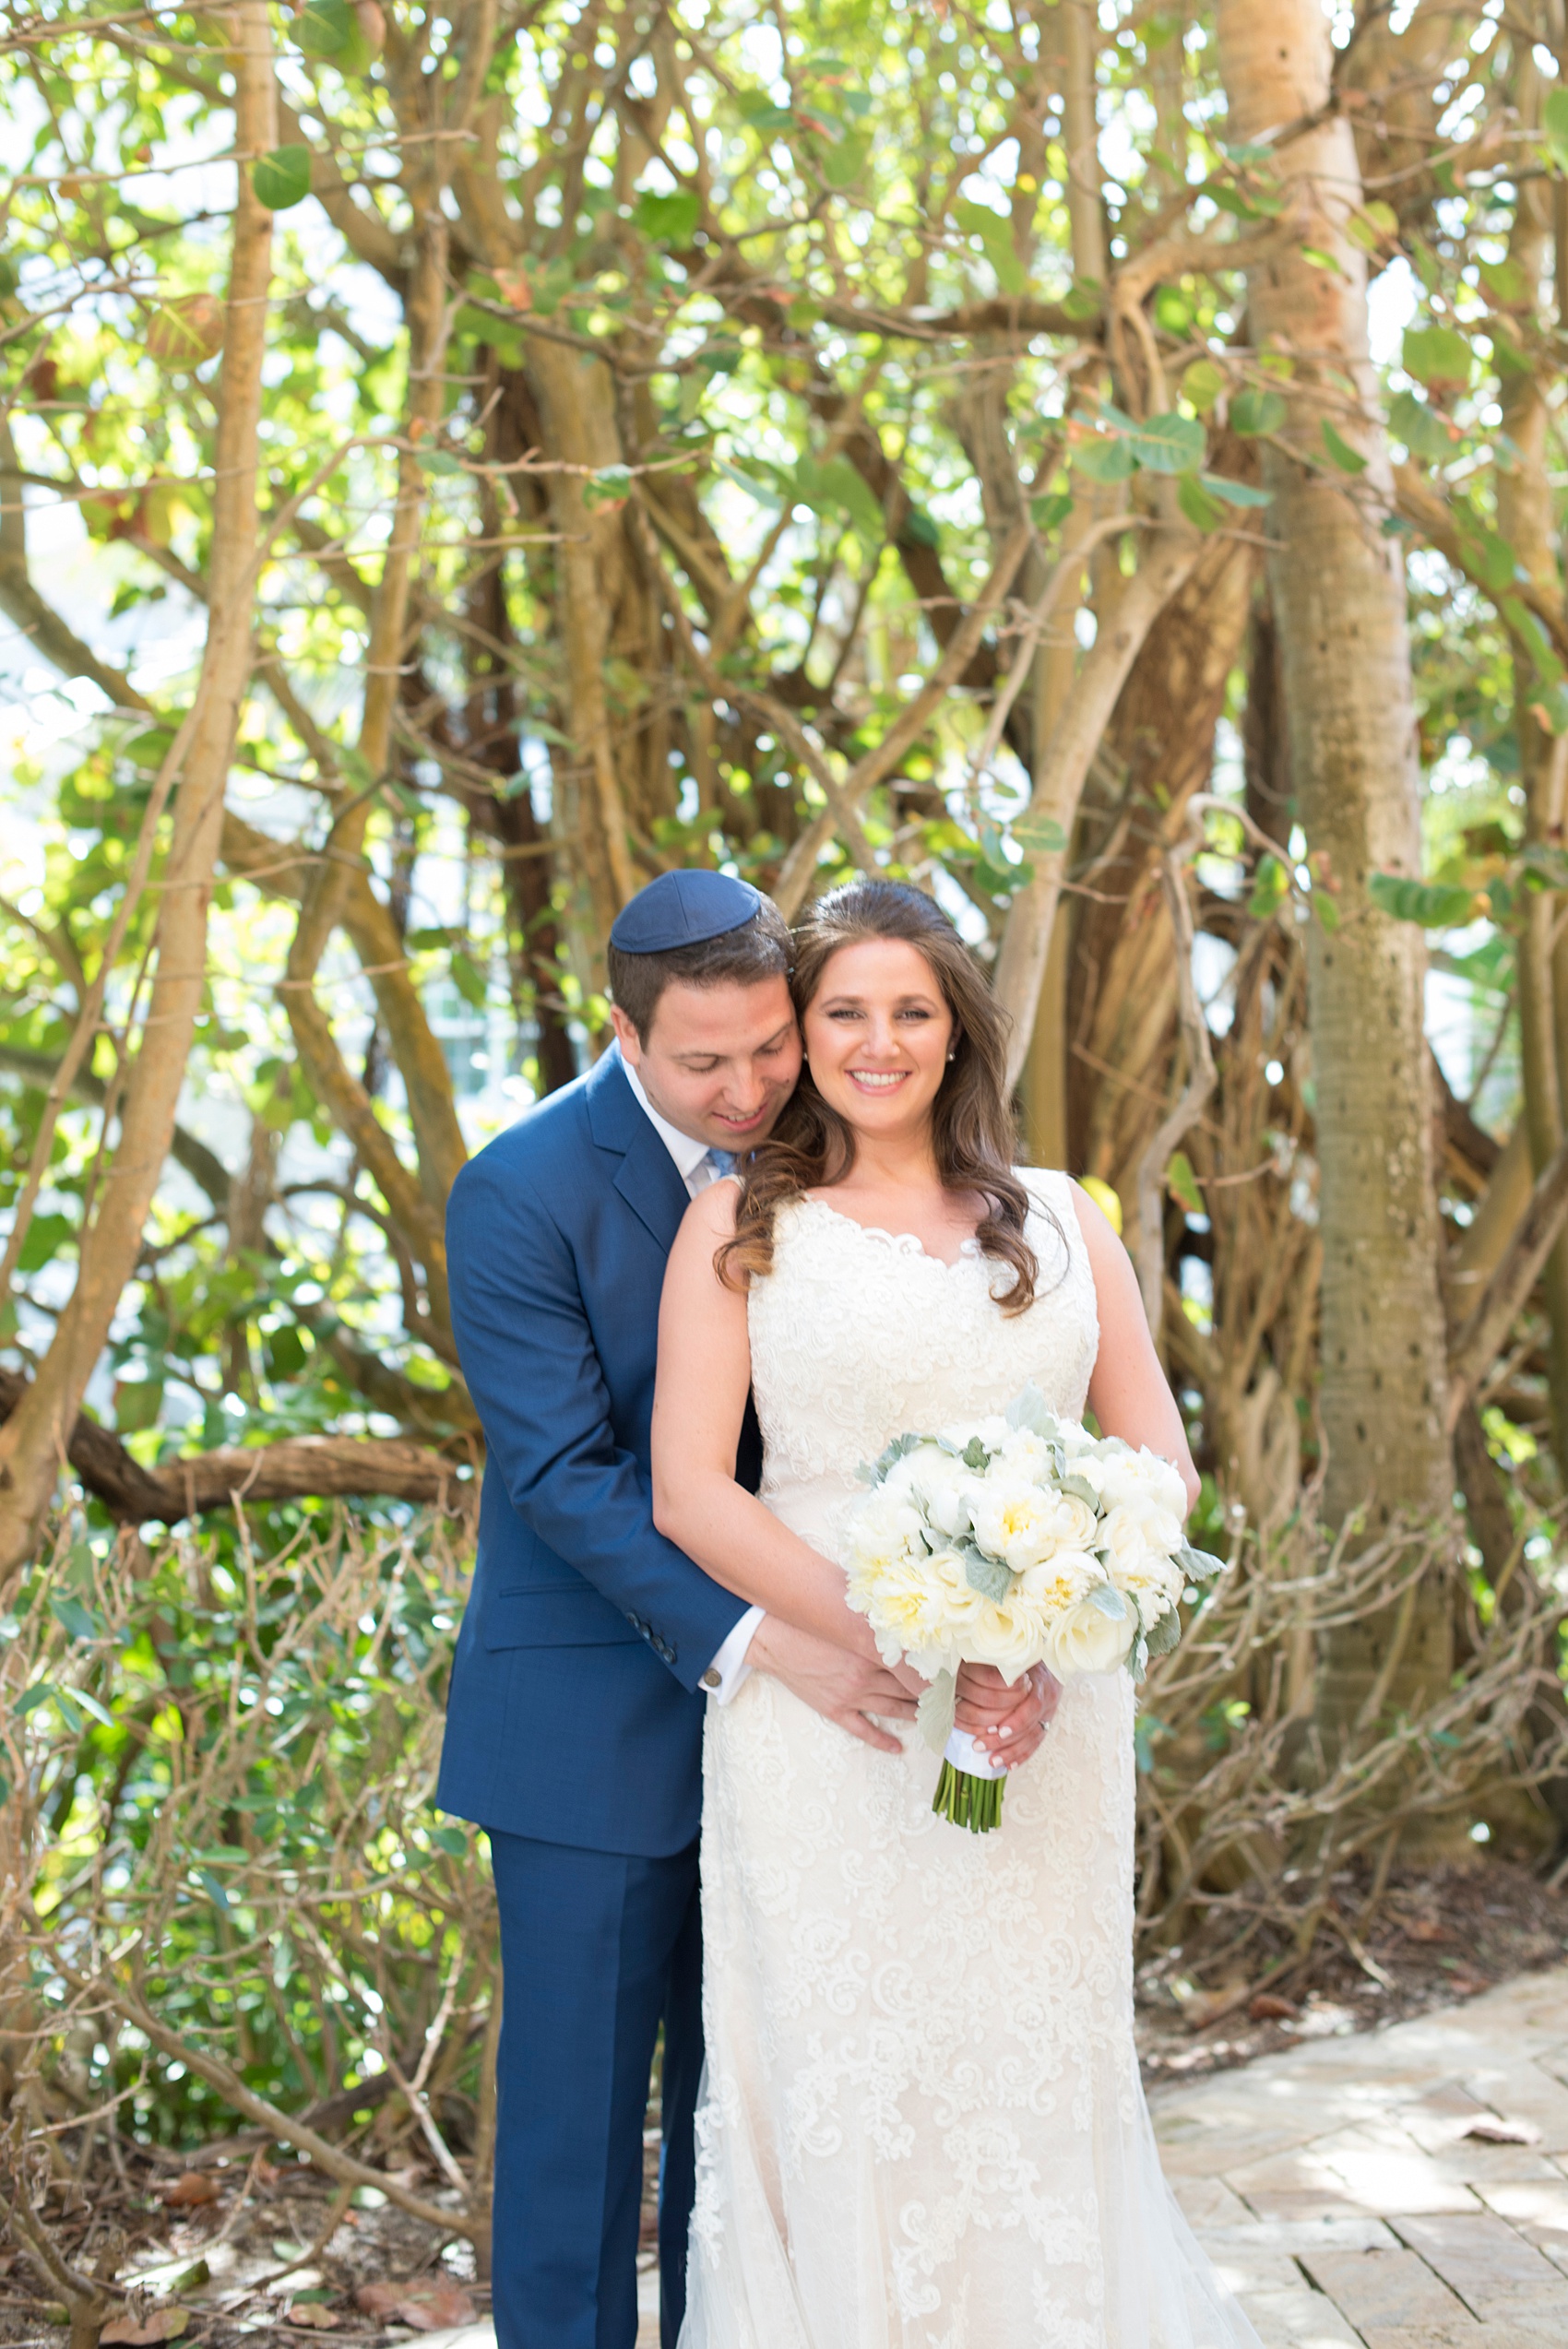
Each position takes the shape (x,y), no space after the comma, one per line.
(1088,1640)
(1005,1635)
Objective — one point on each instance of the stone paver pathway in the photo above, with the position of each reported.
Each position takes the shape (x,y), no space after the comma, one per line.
(1401,2189)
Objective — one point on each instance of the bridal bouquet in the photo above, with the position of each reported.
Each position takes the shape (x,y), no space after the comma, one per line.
(1018,1540)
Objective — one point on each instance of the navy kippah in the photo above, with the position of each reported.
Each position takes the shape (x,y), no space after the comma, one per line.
(681,909)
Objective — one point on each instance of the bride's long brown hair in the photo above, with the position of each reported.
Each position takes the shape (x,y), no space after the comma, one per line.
(811,1147)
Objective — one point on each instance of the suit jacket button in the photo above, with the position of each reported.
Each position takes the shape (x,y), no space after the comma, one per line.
(712,1678)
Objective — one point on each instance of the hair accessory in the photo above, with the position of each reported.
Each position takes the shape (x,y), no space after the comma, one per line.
(683,909)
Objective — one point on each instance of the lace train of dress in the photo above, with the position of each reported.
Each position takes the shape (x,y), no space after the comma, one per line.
(923,2125)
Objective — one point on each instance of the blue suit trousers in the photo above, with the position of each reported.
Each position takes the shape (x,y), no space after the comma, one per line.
(597,1949)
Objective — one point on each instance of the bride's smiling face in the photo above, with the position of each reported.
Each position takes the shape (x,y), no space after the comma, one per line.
(877,1035)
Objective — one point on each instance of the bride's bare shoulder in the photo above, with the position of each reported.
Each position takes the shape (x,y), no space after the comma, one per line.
(709,1221)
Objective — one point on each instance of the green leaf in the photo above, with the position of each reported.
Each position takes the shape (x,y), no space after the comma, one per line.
(1271,885)
(1204,512)
(1554,122)
(1506,281)
(1040,835)
(1182,1184)
(450,1840)
(990,1576)
(667,220)
(1202,383)
(995,235)
(1049,513)
(1103,459)
(1164,1633)
(46,1236)
(324,28)
(213,1889)
(1436,356)
(1507,357)
(1170,443)
(41,1692)
(839,483)
(1424,432)
(469,980)
(842,164)
(1349,460)
(1492,560)
(1084,299)
(1434,905)
(1254,413)
(282,180)
(1236,493)
(437,460)
(612,485)
(136,1404)
(79,1622)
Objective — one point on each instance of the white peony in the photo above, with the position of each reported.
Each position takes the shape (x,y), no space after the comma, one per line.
(943,1486)
(1142,1480)
(1053,1587)
(1088,1640)
(1137,1539)
(885,1526)
(1027,1522)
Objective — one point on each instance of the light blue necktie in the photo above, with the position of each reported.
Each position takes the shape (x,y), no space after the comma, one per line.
(722,1162)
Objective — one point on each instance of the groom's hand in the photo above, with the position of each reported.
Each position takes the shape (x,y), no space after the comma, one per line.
(843,1687)
(1009,1721)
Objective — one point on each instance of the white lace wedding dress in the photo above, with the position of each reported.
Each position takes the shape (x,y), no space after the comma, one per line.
(922,2126)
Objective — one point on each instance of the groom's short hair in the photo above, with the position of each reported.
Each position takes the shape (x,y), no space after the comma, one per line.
(757,950)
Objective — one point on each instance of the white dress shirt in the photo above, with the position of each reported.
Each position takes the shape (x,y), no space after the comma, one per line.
(693,1164)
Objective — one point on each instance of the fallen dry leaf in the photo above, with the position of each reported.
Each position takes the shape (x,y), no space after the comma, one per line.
(429,2303)
(312,2315)
(1269,2007)
(1424,1928)
(189,2191)
(162,2324)
(1503,2132)
(1468,1985)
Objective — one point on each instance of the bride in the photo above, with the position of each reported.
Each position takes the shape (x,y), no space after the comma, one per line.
(922,2126)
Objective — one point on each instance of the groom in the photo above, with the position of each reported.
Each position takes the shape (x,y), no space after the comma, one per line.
(590,1643)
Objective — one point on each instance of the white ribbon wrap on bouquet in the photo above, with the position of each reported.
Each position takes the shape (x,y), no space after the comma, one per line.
(966,1754)
(954,1744)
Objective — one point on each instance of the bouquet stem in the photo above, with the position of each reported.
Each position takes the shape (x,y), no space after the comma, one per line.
(974,1803)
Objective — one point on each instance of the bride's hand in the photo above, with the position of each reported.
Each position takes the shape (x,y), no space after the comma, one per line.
(1008,1722)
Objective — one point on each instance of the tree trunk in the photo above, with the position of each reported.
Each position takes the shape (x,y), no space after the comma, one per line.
(32,1442)
(1339,603)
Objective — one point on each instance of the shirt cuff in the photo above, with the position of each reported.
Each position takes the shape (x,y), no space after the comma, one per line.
(729,1672)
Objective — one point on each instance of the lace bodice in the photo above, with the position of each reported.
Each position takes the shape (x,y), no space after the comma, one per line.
(859,1335)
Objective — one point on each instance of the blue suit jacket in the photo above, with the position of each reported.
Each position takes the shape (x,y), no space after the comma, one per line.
(574,1714)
